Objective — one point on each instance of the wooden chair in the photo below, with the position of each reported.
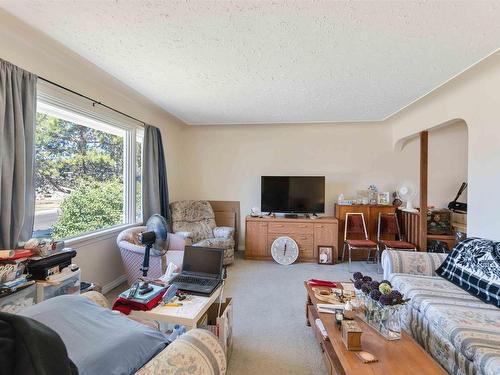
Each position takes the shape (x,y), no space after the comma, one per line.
(388,225)
(355,226)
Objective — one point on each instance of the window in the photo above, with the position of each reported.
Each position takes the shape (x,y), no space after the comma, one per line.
(87,168)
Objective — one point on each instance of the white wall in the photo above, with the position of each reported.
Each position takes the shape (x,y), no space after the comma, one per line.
(226,162)
(473,97)
(23,46)
(447,163)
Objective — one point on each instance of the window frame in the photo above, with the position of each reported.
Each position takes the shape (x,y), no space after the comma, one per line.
(103,119)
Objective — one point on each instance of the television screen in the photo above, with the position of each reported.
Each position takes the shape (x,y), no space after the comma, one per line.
(298,194)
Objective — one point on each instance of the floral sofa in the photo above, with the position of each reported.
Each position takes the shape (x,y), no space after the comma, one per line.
(195,221)
(458,329)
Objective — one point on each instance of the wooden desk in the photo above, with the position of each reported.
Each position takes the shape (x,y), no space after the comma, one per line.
(399,357)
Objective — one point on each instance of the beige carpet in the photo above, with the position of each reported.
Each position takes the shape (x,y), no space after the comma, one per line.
(270,334)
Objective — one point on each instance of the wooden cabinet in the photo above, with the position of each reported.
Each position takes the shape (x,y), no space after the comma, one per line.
(370,212)
(256,239)
(308,233)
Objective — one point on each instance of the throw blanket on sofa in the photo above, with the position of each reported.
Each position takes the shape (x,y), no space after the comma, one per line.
(28,347)
(474,266)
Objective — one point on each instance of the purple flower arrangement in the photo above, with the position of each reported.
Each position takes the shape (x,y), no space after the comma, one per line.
(381,292)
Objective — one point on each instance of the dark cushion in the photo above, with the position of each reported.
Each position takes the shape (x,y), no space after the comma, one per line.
(474,266)
(361,243)
(397,244)
(28,347)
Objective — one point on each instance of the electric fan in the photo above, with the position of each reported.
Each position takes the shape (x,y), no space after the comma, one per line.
(156,240)
(406,192)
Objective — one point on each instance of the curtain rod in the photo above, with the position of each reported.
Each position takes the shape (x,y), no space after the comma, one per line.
(94,102)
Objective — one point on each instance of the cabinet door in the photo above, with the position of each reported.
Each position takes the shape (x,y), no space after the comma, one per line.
(326,235)
(256,240)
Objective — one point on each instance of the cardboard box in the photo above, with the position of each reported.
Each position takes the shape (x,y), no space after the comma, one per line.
(351,335)
(458,218)
(222,326)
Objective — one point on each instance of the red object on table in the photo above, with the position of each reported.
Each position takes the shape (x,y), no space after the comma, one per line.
(21,253)
(317,282)
(126,306)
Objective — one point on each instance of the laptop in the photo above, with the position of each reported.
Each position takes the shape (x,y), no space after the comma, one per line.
(201,270)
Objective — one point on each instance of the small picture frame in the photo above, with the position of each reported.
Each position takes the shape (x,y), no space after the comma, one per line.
(325,254)
(384,198)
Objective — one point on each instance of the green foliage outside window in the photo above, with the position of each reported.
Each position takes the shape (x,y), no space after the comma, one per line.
(79,173)
(91,206)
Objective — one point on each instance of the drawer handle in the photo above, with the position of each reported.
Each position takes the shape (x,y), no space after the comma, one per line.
(279,225)
(319,226)
(302,226)
(303,238)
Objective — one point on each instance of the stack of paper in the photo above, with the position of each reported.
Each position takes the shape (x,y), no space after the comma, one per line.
(321,329)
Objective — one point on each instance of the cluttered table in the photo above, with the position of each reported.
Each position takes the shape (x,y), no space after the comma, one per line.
(403,356)
(193,308)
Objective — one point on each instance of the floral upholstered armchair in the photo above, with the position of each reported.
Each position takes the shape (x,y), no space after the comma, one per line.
(195,221)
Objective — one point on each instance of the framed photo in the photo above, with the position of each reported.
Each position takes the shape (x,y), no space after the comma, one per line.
(384,198)
(325,254)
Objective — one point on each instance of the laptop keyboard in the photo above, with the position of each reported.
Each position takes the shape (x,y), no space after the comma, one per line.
(195,280)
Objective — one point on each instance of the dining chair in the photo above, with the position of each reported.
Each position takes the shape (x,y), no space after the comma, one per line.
(388,225)
(355,226)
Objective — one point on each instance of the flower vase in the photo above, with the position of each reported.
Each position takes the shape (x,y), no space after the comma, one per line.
(385,319)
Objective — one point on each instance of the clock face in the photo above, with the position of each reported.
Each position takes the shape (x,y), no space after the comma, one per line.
(284,250)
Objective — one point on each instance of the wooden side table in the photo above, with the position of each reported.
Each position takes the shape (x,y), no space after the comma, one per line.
(189,314)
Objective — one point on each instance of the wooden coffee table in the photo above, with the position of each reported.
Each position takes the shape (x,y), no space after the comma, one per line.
(404,356)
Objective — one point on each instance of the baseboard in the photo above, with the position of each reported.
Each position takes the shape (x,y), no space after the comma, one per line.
(113,284)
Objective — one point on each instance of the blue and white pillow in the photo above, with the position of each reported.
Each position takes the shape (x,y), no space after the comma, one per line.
(474,266)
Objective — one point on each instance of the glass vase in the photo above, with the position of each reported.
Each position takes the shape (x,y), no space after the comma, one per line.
(385,319)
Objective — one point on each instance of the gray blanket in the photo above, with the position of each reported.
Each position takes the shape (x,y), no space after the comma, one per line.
(98,341)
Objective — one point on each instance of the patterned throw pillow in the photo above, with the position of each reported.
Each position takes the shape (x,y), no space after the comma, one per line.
(474,266)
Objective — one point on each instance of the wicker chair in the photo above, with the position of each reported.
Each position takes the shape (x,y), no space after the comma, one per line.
(132,253)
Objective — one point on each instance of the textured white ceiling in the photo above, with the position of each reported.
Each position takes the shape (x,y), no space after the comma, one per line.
(256,61)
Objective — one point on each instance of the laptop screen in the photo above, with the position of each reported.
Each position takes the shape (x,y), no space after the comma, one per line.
(203,260)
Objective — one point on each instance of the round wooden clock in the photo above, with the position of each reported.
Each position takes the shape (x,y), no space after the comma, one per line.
(285,250)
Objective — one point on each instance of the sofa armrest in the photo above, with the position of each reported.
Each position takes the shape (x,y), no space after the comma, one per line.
(97,298)
(198,352)
(410,262)
(223,232)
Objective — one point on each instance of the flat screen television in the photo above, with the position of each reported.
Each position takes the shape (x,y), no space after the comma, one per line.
(293,194)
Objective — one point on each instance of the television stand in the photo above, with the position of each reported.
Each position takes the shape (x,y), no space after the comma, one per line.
(260,234)
(291,216)
(311,216)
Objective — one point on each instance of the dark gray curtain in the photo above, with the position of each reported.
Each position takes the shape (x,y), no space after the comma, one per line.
(154,176)
(17,150)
